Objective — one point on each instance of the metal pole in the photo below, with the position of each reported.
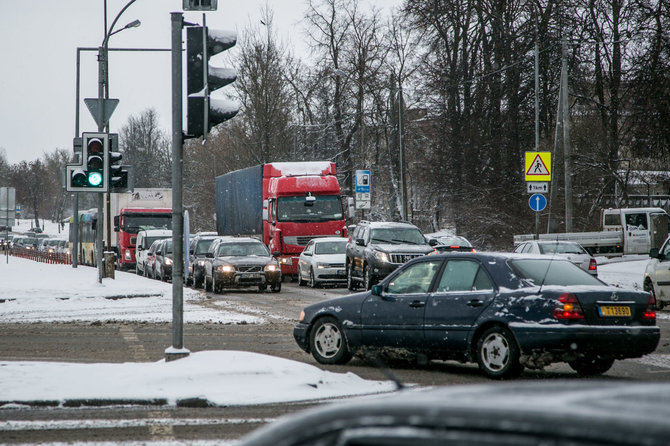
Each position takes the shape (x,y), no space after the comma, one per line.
(566,140)
(403,188)
(177,350)
(75,204)
(101,125)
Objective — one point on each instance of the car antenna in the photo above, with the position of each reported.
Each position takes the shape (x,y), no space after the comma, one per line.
(381,366)
(546,272)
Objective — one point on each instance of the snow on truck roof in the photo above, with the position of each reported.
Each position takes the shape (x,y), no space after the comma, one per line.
(301,168)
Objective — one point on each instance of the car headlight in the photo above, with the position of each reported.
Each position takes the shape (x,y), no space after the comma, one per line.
(271,267)
(201,263)
(128,255)
(322,265)
(225,268)
(285,261)
(168,262)
(382,256)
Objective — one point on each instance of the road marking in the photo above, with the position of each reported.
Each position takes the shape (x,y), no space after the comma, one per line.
(134,344)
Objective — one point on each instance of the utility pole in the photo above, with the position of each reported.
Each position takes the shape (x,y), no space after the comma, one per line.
(567,164)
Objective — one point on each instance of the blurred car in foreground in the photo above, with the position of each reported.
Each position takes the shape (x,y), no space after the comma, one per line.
(502,311)
(234,262)
(572,251)
(657,274)
(575,413)
(322,261)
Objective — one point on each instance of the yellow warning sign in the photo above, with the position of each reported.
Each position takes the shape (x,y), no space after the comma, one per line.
(538,166)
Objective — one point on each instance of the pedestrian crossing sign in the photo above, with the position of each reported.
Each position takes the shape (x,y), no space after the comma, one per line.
(538,166)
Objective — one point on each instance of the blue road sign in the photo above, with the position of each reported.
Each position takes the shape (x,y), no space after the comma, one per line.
(363,181)
(537,202)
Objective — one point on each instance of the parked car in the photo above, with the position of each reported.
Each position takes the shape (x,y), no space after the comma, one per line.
(322,261)
(556,412)
(234,262)
(198,248)
(150,260)
(450,242)
(163,260)
(376,249)
(143,242)
(657,274)
(569,250)
(502,311)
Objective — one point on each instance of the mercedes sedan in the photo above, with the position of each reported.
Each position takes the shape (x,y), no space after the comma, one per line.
(502,311)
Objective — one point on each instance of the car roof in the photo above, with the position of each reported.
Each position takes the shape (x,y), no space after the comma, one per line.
(329,239)
(239,240)
(154,232)
(573,412)
(390,224)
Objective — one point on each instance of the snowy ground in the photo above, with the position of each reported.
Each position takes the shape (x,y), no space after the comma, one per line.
(35,292)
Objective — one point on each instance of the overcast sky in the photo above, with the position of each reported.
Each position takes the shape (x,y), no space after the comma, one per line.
(38,45)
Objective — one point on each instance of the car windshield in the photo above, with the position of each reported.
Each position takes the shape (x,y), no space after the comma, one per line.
(242,249)
(454,241)
(552,272)
(331,247)
(397,236)
(150,240)
(299,209)
(560,248)
(203,246)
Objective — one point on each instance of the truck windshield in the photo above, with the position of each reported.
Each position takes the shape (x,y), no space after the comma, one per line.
(133,223)
(299,209)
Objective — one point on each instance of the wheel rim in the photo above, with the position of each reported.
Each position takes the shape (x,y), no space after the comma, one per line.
(328,340)
(311,279)
(495,352)
(368,279)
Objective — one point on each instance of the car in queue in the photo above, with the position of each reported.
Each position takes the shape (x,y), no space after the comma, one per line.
(657,274)
(502,311)
(150,260)
(450,242)
(163,260)
(557,412)
(143,242)
(572,251)
(377,248)
(322,261)
(239,262)
(197,251)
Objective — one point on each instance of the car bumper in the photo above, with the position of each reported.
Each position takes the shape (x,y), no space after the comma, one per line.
(330,274)
(300,333)
(617,341)
(238,279)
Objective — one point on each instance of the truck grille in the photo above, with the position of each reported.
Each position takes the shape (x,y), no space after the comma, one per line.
(302,240)
(402,258)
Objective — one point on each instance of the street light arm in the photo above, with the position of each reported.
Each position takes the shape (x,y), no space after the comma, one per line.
(116,19)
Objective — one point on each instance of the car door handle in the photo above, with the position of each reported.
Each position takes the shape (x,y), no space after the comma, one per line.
(417,304)
(475,303)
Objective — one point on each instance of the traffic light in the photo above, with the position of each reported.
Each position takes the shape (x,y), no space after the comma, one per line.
(206,105)
(90,175)
(118,173)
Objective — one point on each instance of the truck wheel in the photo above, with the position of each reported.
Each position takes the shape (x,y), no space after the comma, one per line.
(498,354)
(351,285)
(328,343)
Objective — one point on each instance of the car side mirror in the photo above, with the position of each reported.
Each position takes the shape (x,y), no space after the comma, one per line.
(360,242)
(377,290)
(308,254)
(276,253)
(139,248)
(653,253)
(433,242)
(209,255)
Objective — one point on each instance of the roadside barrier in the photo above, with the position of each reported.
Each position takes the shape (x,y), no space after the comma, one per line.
(40,256)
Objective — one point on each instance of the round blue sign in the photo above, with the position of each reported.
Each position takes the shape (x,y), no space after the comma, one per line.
(537,202)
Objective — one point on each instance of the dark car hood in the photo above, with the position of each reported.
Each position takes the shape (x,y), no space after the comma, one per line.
(244,260)
(403,248)
(337,304)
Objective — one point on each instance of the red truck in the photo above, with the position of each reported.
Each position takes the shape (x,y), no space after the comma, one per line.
(143,208)
(284,204)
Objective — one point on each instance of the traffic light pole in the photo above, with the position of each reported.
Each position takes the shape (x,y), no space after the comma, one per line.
(102,56)
(177,350)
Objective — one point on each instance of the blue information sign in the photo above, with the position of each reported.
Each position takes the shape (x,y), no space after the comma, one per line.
(537,202)
(363,181)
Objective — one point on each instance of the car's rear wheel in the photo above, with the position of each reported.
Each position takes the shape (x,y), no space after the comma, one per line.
(498,354)
(592,366)
(328,343)
(649,286)
(351,285)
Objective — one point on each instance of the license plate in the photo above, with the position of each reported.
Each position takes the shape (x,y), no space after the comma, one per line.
(250,276)
(614,311)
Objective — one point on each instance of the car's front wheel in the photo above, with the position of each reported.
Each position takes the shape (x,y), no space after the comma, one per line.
(312,280)
(591,366)
(328,343)
(351,285)
(498,354)
(368,280)
(275,288)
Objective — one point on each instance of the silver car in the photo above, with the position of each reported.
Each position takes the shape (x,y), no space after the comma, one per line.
(563,249)
(657,274)
(323,261)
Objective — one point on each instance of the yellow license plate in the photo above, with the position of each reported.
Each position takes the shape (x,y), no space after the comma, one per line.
(614,311)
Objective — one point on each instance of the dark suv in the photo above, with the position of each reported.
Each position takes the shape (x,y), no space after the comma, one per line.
(375,249)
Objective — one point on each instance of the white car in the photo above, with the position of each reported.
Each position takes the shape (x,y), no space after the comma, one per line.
(323,261)
(657,274)
(567,250)
(142,244)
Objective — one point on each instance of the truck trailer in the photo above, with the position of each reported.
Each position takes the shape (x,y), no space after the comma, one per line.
(283,204)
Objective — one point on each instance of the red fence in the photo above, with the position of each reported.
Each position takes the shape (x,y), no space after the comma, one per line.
(40,256)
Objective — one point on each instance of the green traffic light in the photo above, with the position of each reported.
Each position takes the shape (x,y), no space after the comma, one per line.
(95,178)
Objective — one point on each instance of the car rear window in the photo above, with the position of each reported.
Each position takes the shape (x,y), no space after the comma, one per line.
(551,272)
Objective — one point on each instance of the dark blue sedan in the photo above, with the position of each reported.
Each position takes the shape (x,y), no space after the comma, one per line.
(503,311)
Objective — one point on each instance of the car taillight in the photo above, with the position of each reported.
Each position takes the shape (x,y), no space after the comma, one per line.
(567,307)
(593,266)
(649,313)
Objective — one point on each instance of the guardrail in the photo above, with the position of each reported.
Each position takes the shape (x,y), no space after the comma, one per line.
(40,256)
